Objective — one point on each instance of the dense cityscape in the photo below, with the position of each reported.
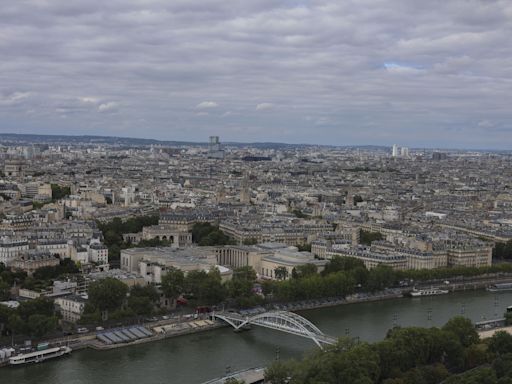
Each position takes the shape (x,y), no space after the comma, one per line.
(99,238)
(255,192)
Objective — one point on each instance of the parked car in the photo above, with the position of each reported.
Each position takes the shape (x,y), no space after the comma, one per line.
(82,330)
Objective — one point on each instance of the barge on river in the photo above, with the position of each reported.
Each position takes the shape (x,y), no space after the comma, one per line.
(428,292)
(39,356)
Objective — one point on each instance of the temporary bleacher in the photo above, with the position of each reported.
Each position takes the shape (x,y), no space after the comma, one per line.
(144,330)
(138,333)
(102,337)
(113,337)
(128,334)
(123,335)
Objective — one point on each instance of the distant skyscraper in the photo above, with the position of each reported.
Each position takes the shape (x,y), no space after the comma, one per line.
(395,150)
(404,152)
(439,156)
(215,150)
(214,143)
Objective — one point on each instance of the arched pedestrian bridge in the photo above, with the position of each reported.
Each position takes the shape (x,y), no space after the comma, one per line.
(283,321)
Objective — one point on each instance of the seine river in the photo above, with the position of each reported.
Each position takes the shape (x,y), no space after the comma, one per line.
(195,358)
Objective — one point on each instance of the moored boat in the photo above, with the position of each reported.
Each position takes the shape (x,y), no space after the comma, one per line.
(428,292)
(39,356)
(498,287)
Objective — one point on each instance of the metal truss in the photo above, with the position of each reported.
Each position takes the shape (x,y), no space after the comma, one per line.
(283,321)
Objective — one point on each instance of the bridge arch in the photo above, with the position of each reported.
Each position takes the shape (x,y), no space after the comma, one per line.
(284,321)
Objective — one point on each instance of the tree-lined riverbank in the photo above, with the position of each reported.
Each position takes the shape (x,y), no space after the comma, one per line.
(198,357)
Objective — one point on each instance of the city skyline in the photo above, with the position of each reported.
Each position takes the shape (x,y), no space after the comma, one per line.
(33,138)
(357,73)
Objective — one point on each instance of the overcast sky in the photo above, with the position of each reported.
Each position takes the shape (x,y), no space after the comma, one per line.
(412,72)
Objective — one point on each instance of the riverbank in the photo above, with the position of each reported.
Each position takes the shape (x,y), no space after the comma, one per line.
(490,333)
(162,332)
(164,329)
(170,328)
(394,293)
(199,357)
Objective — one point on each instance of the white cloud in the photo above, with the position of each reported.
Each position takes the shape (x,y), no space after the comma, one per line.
(264,106)
(107,107)
(486,124)
(402,69)
(19,96)
(89,100)
(14,98)
(207,104)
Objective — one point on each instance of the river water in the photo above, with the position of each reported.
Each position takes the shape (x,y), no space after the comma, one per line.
(195,358)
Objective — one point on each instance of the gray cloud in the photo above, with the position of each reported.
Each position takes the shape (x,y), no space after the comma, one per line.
(436,73)
(264,106)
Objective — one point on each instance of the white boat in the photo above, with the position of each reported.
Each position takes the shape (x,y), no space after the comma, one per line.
(500,287)
(428,292)
(39,356)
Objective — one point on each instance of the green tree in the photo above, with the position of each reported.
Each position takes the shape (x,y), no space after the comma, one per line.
(280,372)
(5,290)
(305,270)
(250,241)
(16,324)
(476,355)
(463,329)
(5,312)
(40,325)
(148,291)
(350,363)
(298,213)
(107,294)
(59,192)
(366,237)
(241,285)
(429,374)
(478,376)
(140,305)
(380,277)
(205,287)
(281,273)
(39,306)
(500,343)
(142,299)
(173,283)
(213,292)
(503,366)
(503,250)
(65,267)
(342,263)
(245,273)
(304,247)
(113,232)
(207,234)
